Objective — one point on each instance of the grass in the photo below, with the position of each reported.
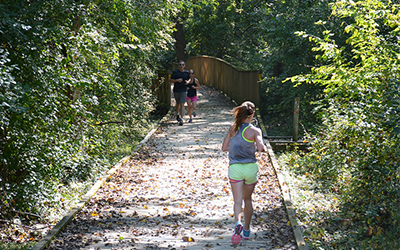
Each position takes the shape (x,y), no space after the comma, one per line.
(15,246)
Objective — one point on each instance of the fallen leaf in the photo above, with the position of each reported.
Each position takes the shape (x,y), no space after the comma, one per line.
(188,239)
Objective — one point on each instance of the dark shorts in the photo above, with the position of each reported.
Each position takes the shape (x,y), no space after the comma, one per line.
(180,97)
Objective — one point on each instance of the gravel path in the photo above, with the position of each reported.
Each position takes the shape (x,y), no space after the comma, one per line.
(174,194)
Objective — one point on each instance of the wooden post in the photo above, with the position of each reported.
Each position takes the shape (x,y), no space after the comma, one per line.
(164,95)
(296,119)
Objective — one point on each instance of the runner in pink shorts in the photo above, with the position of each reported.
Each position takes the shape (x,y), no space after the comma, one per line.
(191,98)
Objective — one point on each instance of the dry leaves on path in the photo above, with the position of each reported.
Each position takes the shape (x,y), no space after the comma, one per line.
(174,193)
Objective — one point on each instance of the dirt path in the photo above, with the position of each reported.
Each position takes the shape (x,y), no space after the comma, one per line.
(174,194)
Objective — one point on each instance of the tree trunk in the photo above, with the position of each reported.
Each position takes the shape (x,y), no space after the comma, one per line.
(180,42)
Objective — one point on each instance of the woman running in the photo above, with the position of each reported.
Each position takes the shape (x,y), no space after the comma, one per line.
(241,141)
(191,99)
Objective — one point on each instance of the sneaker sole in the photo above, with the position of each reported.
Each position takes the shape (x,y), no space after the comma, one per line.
(238,229)
(236,239)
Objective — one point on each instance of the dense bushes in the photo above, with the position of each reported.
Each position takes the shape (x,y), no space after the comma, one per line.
(75,79)
(357,148)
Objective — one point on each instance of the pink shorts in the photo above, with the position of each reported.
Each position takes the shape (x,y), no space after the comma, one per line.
(193,99)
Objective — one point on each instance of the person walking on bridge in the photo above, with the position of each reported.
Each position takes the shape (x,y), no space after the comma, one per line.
(180,77)
(191,99)
(242,141)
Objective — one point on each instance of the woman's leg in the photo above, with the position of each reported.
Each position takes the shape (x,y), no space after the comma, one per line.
(194,106)
(189,104)
(237,192)
(248,205)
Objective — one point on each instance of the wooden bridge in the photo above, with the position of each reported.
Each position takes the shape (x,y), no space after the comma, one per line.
(238,85)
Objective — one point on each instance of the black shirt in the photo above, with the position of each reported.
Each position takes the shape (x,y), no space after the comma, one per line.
(191,91)
(180,86)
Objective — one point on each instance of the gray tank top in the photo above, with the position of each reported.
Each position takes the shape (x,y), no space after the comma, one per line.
(242,150)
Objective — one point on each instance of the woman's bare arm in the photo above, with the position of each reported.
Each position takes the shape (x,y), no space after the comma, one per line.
(197,84)
(259,141)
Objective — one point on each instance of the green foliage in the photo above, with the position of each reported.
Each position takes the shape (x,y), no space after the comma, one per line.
(14,246)
(257,35)
(278,104)
(357,147)
(75,84)
(230,30)
(287,55)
